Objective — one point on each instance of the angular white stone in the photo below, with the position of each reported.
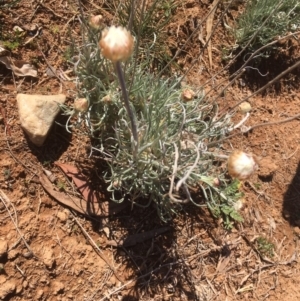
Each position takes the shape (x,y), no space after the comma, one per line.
(37,114)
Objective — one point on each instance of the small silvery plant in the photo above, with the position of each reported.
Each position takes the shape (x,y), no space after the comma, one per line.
(265,21)
(160,140)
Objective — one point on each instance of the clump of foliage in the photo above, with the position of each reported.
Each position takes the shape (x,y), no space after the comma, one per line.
(11,45)
(11,40)
(265,247)
(8,4)
(264,21)
(174,138)
(226,210)
(175,156)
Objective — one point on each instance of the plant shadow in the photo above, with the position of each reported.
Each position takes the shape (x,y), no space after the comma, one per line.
(261,70)
(55,144)
(291,202)
(160,258)
(161,265)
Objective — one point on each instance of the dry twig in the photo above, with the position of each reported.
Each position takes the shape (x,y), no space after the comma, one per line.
(209,24)
(254,127)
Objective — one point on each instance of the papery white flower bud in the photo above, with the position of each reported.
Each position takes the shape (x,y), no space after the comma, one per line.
(188,95)
(106,99)
(245,107)
(81,105)
(241,165)
(117,184)
(96,21)
(116,43)
(216,182)
(238,205)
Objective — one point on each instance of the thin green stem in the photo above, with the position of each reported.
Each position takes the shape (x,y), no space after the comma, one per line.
(128,106)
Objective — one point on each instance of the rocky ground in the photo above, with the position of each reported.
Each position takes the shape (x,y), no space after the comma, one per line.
(49,251)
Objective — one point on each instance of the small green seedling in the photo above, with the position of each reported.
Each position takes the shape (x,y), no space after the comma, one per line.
(7,173)
(55,29)
(265,247)
(61,185)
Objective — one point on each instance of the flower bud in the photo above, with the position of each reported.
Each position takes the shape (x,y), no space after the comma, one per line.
(106,99)
(245,107)
(239,204)
(81,105)
(188,95)
(96,21)
(117,183)
(216,182)
(116,43)
(241,165)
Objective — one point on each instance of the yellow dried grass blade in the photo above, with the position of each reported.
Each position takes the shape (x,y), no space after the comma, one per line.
(209,23)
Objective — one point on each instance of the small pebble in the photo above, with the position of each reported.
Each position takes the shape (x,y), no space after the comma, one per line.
(25,284)
(19,289)
(57,287)
(39,294)
(62,215)
(3,248)
(6,289)
(12,254)
(48,258)
(27,255)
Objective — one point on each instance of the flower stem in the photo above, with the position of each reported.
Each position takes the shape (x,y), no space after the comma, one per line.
(127,105)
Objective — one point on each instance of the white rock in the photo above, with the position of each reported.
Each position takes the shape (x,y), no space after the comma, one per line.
(37,114)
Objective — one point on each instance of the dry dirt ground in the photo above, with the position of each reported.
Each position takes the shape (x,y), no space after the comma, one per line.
(54,253)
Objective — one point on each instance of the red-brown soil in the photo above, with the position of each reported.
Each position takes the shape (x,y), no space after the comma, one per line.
(51,255)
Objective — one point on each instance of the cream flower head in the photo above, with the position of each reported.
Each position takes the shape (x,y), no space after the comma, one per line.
(81,105)
(116,43)
(96,22)
(187,95)
(241,165)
